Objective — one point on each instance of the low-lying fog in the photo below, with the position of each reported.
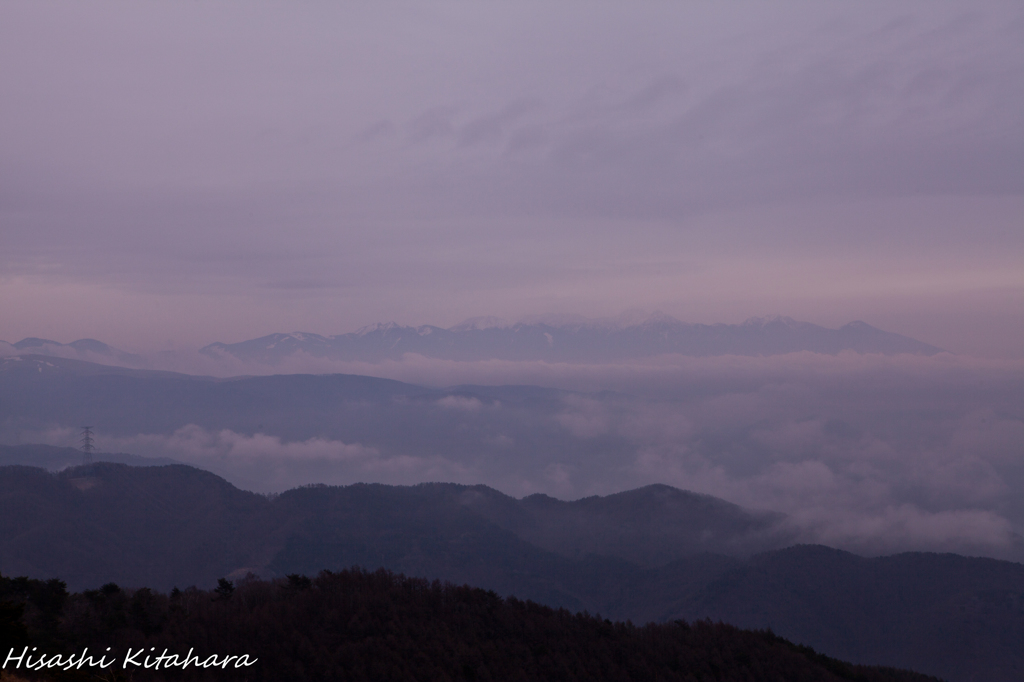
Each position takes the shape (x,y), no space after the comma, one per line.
(866,452)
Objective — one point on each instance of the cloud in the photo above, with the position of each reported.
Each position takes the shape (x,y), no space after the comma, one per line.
(909,528)
(868,452)
(267,463)
(507,159)
(458,402)
(501,441)
(665,375)
(584,418)
(197,444)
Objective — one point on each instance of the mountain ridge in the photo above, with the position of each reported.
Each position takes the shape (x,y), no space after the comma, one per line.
(568,339)
(943,614)
(89,350)
(573,342)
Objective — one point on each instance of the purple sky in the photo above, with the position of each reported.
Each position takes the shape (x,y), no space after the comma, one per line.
(177,173)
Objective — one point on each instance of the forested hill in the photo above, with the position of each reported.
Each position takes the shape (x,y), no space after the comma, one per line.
(177,525)
(159,526)
(355,625)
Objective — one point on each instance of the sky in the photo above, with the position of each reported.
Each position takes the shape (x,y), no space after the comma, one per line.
(173,174)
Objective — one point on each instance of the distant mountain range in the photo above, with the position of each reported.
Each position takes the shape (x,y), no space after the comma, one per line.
(574,341)
(640,554)
(90,350)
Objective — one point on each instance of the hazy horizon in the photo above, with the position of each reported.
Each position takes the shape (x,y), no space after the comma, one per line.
(624,318)
(179,174)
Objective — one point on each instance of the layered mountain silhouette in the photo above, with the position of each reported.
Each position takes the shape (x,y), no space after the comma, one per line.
(559,339)
(166,525)
(957,617)
(394,419)
(49,389)
(83,349)
(576,342)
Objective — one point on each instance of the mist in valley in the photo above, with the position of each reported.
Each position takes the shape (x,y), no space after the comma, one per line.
(872,453)
(665,310)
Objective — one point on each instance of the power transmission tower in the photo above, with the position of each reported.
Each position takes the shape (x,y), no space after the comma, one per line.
(87,446)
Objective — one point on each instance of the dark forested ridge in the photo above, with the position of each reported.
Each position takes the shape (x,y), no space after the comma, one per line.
(355,625)
(957,617)
(160,526)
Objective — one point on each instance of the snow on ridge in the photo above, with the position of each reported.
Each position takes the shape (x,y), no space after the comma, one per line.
(480,322)
(379,327)
(303,337)
(770,319)
(564,321)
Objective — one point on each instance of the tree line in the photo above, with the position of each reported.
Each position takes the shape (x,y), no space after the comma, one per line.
(361,625)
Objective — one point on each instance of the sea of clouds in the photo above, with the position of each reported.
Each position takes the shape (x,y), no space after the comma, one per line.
(871,453)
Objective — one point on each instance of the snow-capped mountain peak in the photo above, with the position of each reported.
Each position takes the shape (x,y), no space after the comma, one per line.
(577,339)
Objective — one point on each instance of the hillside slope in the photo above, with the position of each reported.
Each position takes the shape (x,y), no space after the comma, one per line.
(947,615)
(354,625)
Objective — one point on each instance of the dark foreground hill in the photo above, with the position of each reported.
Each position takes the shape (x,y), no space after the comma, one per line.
(957,617)
(889,610)
(354,625)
